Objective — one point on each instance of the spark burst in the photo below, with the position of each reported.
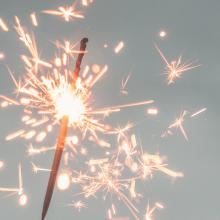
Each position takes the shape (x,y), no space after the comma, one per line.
(51,93)
(176,68)
(67,12)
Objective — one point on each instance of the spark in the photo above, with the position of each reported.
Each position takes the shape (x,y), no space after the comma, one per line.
(86,2)
(119,47)
(162,34)
(20,180)
(175,69)
(150,211)
(95,68)
(178,123)
(124,84)
(67,12)
(19,190)
(106,174)
(3,25)
(2,56)
(152,111)
(34,19)
(2,164)
(15,135)
(23,200)
(63,181)
(34,151)
(198,112)
(78,205)
(36,169)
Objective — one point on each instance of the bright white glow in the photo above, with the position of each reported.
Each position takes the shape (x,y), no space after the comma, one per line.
(162,34)
(67,104)
(1,164)
(2,56)
(23,199)
(152,111)
(63,181)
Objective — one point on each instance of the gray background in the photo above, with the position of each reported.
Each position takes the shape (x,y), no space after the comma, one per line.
(193,30)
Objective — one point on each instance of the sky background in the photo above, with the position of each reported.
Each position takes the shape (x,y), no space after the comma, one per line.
(193,30)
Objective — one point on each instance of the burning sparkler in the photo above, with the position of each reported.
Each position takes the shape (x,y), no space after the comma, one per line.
(70,108)
(61,96)
(54,93)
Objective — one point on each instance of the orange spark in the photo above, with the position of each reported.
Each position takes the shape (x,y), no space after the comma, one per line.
(119,47)
(23,199)
(178,123)
(67,12)
(198,112)
(34,19)
(36,169)
(152,111)
(2,164)
(3,25)
(176,68)
(163,34)
(124,84)
(63,181)
(78,205)
(2,55)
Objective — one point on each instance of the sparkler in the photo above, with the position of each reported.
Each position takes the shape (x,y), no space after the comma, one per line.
(51,93)
(62,134)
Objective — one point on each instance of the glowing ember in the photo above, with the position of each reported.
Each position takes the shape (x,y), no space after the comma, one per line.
(3,25)
(23,199)
(152,111)
(68,12)
(2,164)
(162,34)
(63,181)
(2,56)
(34,19)
(96,68)
(119,47)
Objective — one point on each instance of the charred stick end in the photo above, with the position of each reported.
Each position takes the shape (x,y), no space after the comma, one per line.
(83,43)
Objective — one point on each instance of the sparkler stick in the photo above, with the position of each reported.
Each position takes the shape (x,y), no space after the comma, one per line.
(62,137)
